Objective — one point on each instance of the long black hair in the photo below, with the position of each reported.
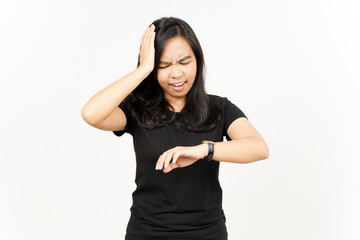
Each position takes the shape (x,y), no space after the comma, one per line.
(147,103)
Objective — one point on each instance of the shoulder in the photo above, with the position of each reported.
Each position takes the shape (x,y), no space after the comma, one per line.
(213,96)
(227,107)
(218,100)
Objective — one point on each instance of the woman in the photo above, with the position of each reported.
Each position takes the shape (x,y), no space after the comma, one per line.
(178,132)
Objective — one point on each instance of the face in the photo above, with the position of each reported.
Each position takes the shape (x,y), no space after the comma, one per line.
(177,69)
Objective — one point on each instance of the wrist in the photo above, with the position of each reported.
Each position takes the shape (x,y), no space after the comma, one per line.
(210,153)
(204,150)
(144,70)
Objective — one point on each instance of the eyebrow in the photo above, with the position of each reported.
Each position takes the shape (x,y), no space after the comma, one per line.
(182,59)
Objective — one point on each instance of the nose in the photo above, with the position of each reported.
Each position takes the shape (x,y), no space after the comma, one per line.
(176,71)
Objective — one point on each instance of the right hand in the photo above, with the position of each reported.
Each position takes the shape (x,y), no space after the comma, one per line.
(147,49)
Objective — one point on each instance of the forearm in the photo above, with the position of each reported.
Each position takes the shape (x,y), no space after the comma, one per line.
(104,102)
(243,150)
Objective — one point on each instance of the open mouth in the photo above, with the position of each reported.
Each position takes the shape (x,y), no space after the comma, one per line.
(178,84)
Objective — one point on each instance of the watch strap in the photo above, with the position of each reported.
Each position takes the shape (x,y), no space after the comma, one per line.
(210,151)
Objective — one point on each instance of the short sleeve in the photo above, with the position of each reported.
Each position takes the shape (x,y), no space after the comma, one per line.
(231,113)
(128,127)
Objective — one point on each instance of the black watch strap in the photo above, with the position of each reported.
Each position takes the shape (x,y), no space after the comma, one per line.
(211,150)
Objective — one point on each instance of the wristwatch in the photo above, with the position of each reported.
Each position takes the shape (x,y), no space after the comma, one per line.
(211,150)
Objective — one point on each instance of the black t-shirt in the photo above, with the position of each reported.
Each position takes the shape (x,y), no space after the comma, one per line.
(185,203)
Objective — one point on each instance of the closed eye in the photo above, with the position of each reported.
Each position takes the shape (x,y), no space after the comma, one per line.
(169,65)
(163,67)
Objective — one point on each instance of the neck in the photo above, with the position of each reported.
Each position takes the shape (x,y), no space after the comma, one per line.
(177,103)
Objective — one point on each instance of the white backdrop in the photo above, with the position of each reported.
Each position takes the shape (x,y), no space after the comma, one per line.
(292,66)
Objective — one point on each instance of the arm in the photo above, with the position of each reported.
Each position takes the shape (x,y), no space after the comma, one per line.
(102,109)
(102,104)
(247,145)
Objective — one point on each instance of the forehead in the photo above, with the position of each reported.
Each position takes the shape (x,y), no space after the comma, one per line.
(176,47)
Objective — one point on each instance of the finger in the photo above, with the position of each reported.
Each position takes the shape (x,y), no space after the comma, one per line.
(170,167)
(152,39)
(176,156)
(148,36)
(169,157)
(161,161)
(167,160)
(145,36)
(158,163)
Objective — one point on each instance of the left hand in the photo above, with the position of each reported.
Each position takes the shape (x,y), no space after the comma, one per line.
(182,157)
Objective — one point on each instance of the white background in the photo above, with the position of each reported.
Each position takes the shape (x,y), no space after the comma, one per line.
(292,66)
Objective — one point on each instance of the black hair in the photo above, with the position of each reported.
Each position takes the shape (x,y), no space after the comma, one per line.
(147,103)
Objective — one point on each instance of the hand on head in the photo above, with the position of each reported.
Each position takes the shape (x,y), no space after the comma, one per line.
(147,49)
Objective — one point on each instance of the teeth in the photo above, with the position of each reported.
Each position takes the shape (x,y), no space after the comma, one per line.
(179,84)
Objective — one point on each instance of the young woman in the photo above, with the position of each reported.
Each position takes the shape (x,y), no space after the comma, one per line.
(178,131)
